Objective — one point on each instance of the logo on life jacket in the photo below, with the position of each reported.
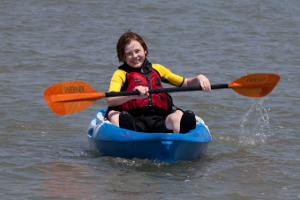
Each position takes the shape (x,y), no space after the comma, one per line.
(137,80)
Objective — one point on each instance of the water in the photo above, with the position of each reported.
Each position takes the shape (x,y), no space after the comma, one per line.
(253,124)
(254,153)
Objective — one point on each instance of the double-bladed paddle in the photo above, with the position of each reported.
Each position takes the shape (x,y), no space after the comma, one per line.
(73,96)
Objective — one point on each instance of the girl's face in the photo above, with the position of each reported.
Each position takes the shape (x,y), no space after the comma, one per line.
(134,54)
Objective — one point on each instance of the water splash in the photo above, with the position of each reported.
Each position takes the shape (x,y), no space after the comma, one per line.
(253,124)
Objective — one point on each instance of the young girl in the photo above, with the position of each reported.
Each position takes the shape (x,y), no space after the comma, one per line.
(145,112)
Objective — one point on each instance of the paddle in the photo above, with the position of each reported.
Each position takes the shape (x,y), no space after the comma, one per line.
(73,96)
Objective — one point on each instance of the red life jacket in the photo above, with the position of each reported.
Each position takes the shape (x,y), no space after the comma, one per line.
(146,76)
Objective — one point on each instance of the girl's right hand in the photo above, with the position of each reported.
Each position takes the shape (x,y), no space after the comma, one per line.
(143,91)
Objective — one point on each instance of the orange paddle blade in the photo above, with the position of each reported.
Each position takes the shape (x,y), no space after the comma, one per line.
(70,97)
(255,85)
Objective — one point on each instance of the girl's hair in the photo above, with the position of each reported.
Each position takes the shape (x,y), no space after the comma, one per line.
(125,39)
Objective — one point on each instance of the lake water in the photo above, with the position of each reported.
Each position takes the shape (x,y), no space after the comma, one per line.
(254,153)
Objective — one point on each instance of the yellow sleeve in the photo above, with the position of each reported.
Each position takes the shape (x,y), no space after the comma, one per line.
(165,73)
(117,81)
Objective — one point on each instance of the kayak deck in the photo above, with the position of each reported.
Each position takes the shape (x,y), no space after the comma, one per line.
(110,140)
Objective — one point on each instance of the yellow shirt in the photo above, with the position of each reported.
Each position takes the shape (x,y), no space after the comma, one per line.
(119,78)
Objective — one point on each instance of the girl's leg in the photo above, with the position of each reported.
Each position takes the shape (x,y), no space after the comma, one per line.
(113,117)
(173,121)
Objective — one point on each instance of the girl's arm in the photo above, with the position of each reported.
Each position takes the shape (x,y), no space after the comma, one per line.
(176,80)
(116,101)
(198,80)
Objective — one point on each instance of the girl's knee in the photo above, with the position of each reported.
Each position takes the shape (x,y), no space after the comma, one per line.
(113,117)
(173,121)
(112,113)
(177,115)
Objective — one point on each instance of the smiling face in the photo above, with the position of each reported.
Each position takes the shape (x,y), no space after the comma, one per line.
(135,54)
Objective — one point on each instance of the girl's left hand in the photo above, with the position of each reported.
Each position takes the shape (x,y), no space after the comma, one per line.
(204,82)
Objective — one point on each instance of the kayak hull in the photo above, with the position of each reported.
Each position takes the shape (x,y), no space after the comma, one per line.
(110,140)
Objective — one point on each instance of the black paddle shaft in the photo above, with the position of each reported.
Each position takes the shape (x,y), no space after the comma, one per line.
(164,90)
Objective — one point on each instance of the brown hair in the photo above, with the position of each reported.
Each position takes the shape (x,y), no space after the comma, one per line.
(126,39)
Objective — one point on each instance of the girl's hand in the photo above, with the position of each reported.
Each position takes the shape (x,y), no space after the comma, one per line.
(143,91)
(204,82)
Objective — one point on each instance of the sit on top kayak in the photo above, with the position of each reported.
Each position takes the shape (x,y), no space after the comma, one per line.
(110,140)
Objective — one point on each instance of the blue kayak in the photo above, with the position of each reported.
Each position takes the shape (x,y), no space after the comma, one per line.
(110,140)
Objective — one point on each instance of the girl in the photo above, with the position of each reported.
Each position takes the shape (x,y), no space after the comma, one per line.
(145,112)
